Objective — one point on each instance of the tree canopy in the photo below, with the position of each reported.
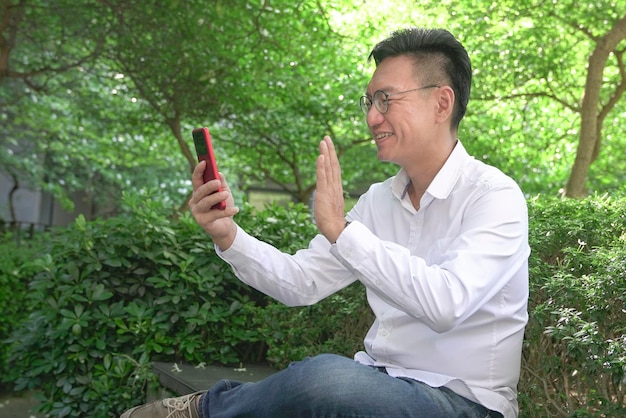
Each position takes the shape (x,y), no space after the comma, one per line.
(101,95)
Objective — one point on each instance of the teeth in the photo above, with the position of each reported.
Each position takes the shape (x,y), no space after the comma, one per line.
(381,136)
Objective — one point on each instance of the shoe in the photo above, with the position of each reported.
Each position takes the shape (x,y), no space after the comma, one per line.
(181,407)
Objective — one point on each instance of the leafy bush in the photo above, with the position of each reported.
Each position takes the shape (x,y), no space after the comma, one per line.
(15,273)
(109,297)
(113,295)
(337,325)
(575,344)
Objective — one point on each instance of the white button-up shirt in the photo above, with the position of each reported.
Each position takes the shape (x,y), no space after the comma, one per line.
(448,283)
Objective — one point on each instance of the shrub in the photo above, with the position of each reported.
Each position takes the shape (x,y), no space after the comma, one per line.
(109,297)
(575,344)
(15,273)
(113,295)
(337,325)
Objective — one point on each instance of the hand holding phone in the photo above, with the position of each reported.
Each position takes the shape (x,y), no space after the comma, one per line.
(204,151)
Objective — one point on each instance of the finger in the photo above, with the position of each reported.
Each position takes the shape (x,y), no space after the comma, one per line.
(321,174)
(333,161)
(323,169)
(330,146)
(210,201)
(198,172)
(223,181)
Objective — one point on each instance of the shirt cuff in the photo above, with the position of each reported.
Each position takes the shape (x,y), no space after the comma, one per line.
(342,250)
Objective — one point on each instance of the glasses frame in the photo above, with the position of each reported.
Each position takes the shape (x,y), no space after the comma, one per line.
(380,99)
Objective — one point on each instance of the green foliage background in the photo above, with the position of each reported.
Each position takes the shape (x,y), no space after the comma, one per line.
(103,95)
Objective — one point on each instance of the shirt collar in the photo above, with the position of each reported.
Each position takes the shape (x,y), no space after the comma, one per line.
(444,181)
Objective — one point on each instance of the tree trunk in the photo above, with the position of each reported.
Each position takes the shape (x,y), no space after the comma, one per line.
(14,189)
(176,128)
(590,125)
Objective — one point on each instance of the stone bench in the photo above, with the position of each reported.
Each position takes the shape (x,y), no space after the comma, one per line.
(181,378)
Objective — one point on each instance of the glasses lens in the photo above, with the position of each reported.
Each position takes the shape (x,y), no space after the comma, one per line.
(366,104)
(380,101)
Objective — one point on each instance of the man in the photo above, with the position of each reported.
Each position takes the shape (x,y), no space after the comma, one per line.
(441,247)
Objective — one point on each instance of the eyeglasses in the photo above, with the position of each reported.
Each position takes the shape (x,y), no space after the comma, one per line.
(381,99)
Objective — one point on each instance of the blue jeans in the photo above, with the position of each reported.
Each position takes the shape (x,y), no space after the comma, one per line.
(333,386)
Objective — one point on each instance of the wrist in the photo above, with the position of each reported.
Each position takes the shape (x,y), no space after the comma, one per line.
(345,225)
(224,242)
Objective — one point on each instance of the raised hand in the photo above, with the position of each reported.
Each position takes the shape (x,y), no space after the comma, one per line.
(329,203)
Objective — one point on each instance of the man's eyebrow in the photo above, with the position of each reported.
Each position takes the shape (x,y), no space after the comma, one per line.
(387,89)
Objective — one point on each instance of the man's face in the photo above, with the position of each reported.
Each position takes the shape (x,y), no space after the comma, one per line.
(406,131)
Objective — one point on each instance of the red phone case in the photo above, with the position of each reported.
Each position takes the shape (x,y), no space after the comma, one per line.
(204,151)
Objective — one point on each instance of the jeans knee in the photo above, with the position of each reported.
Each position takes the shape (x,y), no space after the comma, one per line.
(326,368)
(329,377)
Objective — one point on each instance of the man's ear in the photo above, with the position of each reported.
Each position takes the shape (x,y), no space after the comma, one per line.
(445,103)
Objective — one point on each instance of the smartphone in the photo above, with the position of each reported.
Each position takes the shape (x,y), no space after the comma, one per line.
(204,151)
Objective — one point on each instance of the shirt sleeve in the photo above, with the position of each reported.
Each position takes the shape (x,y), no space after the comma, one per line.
(303,278)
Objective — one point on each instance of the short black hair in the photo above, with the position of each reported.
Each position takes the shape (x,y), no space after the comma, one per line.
(437,49)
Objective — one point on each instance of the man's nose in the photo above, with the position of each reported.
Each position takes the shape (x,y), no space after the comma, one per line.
(374,117)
